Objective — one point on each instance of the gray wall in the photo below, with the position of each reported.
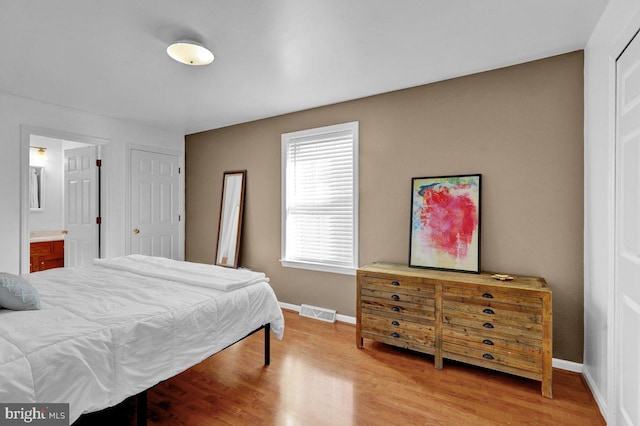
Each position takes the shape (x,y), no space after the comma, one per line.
(521,127)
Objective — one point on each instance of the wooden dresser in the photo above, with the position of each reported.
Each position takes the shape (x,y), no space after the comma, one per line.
(472,318)
(46,255)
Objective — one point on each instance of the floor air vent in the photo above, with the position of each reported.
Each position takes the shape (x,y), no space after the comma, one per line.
(322,314)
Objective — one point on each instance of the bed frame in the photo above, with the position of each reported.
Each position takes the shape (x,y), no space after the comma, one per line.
(141,398)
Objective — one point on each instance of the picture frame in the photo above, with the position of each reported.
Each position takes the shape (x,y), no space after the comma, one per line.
(230,223)
(445,223)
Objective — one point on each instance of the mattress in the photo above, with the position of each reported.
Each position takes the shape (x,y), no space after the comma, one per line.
(105,334)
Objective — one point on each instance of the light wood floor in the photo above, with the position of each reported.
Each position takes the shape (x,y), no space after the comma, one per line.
(317,376)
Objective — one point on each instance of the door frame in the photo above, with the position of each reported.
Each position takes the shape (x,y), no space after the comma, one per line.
(181,185)
(26,131)
(613,335)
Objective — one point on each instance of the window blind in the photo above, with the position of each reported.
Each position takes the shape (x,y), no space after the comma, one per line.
(320,202)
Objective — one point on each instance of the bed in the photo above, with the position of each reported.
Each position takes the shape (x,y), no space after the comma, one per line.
(116,329)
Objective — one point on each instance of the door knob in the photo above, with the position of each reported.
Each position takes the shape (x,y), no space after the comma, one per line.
(136,231)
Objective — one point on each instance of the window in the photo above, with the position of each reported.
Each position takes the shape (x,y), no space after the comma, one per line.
(320,199)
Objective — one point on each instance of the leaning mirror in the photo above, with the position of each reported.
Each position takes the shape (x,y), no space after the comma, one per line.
(230,224)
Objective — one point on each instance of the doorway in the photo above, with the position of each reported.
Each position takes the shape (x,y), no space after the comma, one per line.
(53,218)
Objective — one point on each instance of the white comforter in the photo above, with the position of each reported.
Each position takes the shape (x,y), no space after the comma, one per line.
(210,276)
(105,334)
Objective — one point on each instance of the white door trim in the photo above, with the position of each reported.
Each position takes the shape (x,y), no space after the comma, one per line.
(631,32)
(26,131)
(181,182)
(624,40)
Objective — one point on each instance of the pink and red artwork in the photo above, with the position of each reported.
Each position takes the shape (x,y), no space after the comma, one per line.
(445,223)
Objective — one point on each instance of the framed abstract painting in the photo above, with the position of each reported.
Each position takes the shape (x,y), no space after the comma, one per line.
(445,223)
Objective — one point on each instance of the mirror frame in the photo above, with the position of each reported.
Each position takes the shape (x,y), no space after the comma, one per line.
(230,223)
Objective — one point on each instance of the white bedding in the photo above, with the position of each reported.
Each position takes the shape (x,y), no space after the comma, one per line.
(210,276)
(104,334)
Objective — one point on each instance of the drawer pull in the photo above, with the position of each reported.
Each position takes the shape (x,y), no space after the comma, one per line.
(395,323)
(396,283)
(395,297)
(395,309)
(395,335)
(487,356)
(487,325)
(488,311)
(487,342)
(487,296)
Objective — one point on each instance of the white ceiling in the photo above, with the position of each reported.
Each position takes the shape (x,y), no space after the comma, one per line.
(271,56)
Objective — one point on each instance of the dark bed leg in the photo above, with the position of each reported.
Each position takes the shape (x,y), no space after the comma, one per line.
(267,344)
(141,409)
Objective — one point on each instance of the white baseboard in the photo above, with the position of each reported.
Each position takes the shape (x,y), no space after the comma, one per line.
(557,363)
(346,318)
(597,395)
(289,306)
(567,365)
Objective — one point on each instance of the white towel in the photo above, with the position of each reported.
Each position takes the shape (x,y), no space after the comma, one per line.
(210,276)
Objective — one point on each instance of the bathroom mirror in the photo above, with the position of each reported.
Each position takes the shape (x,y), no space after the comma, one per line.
(230,224)
(36,188)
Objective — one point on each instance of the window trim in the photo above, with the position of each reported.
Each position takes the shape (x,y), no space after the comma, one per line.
(352,126)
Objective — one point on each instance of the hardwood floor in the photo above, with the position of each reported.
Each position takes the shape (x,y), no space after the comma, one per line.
(317,376)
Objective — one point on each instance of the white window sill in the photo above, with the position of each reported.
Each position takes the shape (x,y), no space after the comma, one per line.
(318,267)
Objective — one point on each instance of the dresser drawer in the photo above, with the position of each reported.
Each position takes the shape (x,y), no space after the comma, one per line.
(424,311)
(491,297)
(483,312)
(463,337)
(398,329)
(492,359)
(397,284)
(395,296)
(496,328)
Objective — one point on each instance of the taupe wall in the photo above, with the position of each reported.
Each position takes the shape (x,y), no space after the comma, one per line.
(521,127)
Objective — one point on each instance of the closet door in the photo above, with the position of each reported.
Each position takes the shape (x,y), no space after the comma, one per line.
(155,209)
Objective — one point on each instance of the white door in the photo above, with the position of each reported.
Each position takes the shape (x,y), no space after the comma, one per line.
(627,281)
(154,204)
(80,206)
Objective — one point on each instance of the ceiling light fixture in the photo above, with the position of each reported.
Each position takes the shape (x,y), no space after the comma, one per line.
(190,53)
(42,151)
